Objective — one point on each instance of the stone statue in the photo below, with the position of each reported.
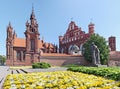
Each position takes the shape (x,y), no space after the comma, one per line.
(95,54)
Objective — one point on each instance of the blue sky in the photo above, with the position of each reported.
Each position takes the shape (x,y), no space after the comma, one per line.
(53,17)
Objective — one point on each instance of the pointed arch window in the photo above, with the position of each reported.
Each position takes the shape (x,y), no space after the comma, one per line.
(32,44)
(72,26)
(32,30)
(18,55)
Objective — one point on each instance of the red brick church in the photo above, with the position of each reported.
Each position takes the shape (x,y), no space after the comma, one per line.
(28,50)
(25,51)
(74,38)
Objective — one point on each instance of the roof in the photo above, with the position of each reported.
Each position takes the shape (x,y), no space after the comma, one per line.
(40,44)
(49,45)
(19,42)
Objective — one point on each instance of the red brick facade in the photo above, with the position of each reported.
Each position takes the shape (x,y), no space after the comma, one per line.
(74,38)
(25,51)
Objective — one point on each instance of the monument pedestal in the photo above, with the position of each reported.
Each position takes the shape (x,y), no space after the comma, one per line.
(99,65)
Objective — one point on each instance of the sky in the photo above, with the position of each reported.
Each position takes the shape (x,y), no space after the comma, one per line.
(54,16)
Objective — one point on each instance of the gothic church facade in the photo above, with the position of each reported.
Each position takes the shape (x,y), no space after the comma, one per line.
(25,51)
(74,38)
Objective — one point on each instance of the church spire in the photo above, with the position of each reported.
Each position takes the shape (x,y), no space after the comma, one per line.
(14,35)
(9,25)
(33,11)
(9,28)
(32,17)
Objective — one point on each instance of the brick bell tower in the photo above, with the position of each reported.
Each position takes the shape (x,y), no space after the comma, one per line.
(9,45)
(32,37)
(112,43)
(91,28)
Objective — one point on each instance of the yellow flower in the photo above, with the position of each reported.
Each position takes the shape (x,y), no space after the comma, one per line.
(39,87)
(59,80)
(49,85)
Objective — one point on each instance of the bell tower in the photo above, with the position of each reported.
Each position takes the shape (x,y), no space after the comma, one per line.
(9,45)
(112,43)
(32,38)
(32,34)
(91,28)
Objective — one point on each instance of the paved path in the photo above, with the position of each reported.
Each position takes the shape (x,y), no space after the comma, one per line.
(4,71)
(45,70)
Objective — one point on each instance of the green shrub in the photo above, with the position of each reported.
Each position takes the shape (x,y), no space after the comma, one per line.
(35,65)
(71,65)
(107,72)
(102,46)
(41,65)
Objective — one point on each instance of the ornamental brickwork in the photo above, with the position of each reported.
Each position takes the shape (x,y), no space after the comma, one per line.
(25,51)
(74,38)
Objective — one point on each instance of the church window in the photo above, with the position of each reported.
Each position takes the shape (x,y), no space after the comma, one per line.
(75,38)
(73,26)
(32,44)
(72,39)
(69,27)
(67,40)
(32,30)
(23,55)
(8,53)
(75,34)
(9,34)
(18,55)
(81,36)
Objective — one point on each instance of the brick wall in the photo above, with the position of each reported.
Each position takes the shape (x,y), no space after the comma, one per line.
(64,60)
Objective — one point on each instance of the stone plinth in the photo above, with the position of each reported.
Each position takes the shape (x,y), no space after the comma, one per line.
(99,65)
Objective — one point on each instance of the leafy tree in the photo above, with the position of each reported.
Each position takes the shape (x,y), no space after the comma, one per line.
(2,59)
(102,46)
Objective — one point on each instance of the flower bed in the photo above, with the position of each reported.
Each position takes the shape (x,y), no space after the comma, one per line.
(108,72)
(58,80)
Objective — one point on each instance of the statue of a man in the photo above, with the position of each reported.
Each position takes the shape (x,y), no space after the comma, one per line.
(95,54)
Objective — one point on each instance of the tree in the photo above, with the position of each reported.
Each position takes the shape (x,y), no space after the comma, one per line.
(102,46)
(2,59)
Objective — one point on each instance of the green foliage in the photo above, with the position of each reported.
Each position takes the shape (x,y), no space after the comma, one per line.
(102,46)
(71,65)
(35,65)
(107,72)
(2,59)
(41,65)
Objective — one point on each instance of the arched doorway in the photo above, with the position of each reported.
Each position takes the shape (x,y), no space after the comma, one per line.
(74,50)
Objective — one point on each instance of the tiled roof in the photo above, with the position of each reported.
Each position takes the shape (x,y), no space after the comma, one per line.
(19,42)
(40,44)
(47,44)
